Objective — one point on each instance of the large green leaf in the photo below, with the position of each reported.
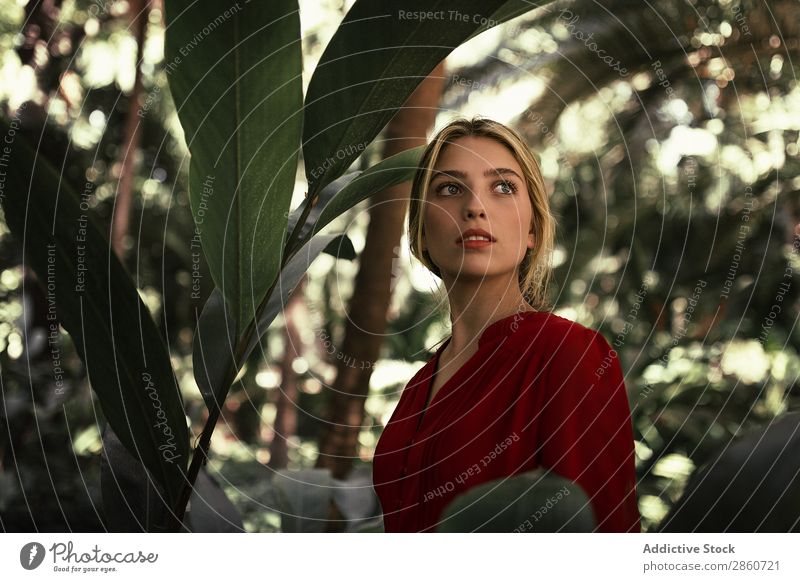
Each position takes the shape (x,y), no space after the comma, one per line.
(215,338)
(93,298)
(234,69)
(749,485)
(536,501)
(510,9)
(133,502)
(393,170)
(382,50)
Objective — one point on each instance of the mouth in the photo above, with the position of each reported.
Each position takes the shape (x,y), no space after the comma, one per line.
(475,238)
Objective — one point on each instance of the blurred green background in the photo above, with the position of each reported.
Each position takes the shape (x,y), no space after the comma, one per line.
(675,185)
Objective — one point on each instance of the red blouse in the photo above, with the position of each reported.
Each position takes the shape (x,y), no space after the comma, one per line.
(541,390)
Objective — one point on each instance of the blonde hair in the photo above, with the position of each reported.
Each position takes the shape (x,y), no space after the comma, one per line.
(535,270)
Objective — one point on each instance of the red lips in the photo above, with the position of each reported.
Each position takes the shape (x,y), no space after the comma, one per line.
(475,232)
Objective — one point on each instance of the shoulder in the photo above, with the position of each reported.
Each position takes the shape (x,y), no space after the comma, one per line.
(564,345)
(554,330)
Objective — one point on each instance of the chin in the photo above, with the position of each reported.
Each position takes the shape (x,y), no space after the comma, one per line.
(467,272)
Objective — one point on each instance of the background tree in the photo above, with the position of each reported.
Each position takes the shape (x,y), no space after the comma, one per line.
(369,303)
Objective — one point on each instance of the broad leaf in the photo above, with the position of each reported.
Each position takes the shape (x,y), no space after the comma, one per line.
(380,53)
(389,172)
(536,501)
(324,197)
(91,295)
(234,69)
(132,500)
(750,485)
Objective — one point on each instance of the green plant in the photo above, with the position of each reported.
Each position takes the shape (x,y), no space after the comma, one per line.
(235,76)
(536,501)
(749,485)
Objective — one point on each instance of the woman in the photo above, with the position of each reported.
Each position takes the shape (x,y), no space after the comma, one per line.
(515,387)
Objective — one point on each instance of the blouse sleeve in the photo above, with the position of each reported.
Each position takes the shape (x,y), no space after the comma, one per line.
(585,429)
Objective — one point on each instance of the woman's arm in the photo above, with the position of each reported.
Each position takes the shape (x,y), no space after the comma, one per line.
(585,431)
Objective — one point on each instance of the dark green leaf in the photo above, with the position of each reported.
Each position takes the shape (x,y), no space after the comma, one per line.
(132,500)
(537,501)
(389,172)
(750,485)
(234,69)
(90,294)
(373,63)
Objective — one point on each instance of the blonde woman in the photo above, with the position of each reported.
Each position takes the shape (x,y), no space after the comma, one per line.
(514,387)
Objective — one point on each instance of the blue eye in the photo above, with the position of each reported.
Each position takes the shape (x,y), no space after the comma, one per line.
(510,186)
(448,185)
(453,188)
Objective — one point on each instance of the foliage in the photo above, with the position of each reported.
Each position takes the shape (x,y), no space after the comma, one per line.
(536,501)
(241,125)
(651,188)
(676,191)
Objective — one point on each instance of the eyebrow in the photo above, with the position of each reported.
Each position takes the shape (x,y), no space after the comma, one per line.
(463,175)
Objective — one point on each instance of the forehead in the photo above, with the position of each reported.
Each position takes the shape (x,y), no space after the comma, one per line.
(472,154)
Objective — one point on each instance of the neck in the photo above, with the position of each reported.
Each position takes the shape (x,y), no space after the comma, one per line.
(476,304)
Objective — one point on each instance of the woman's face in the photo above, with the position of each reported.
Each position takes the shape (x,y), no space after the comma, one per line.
(477,184)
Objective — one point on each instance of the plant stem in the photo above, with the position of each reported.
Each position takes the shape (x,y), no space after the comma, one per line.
(308,205)
(200,455)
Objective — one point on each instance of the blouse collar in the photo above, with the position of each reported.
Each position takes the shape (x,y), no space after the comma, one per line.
(497,330)
(506,326)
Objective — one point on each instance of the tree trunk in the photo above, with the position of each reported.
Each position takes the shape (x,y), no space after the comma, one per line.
(139,11)
(372,292)
(285,424)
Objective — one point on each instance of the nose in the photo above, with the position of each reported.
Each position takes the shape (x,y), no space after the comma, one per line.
(473,206)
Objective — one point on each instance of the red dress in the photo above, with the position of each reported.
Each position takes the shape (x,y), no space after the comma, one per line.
(541,390)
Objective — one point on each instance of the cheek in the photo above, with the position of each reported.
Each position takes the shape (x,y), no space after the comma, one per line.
(517,225)
(519,229)
(526,224)
(438,220)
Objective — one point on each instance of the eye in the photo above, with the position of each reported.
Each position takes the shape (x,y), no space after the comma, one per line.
(508,187)
(449,187)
